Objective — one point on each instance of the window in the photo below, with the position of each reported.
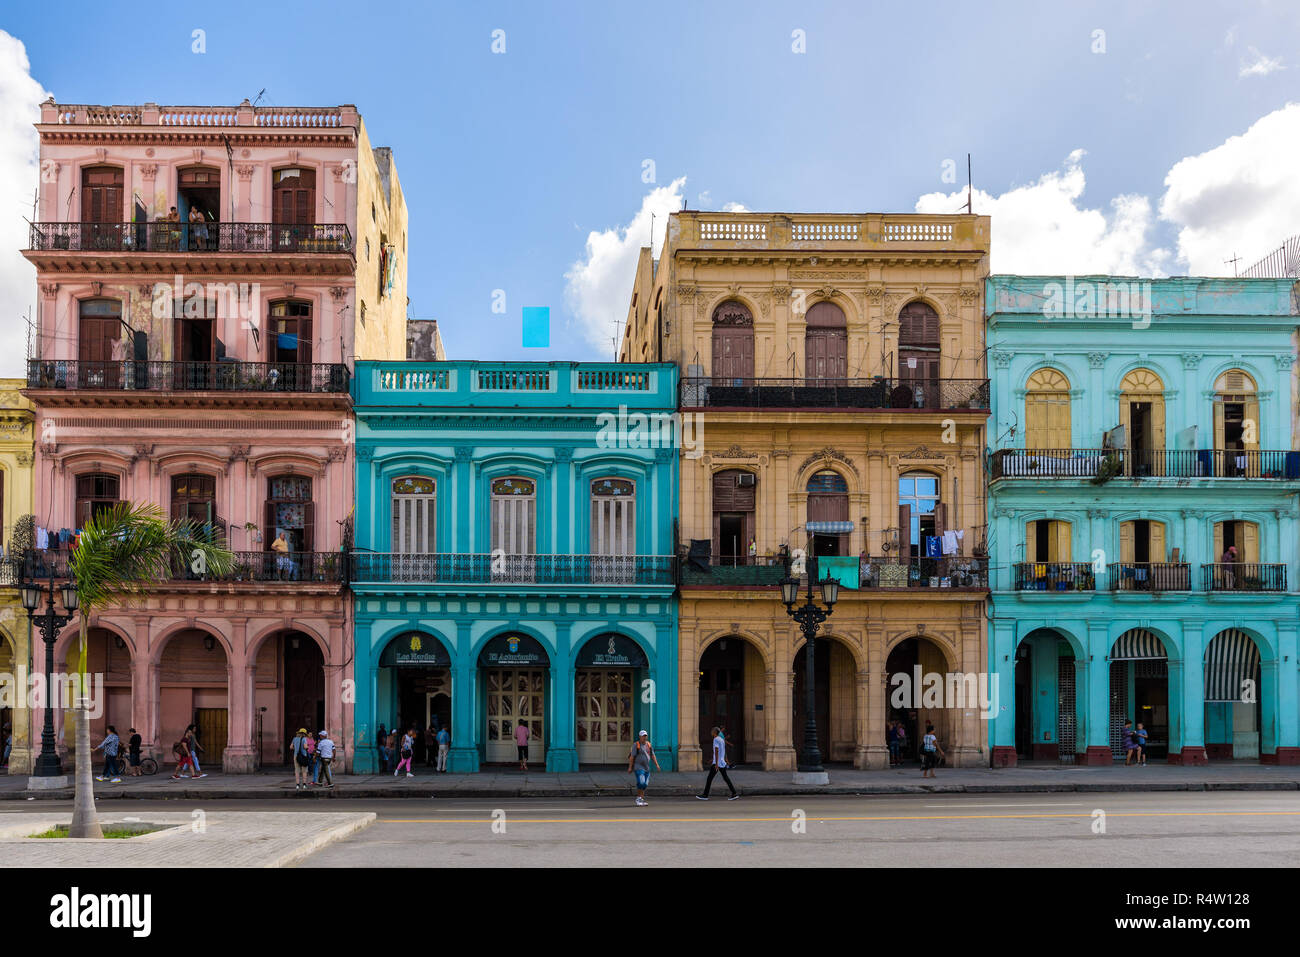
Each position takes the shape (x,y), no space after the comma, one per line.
(102,194)
(1047,540)
(293,196)
(290,513)
(96,493)
(733,343)
(1047,410)
(100,347)
(1142,413)
(826,344)
(194,497)
(920,513)
(414,515)
(1243,536)
(613,530)
(514,537)
(289,344)
(828,501)
(733,515)
(1236,424)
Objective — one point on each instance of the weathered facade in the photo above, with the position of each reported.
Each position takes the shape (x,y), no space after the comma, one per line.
(16,650)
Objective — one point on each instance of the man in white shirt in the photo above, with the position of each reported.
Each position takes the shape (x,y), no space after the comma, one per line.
(719,766)
(325,753)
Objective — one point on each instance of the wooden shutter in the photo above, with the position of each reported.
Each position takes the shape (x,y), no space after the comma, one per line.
(309,527)
(1031,541)
(940,519)
(905,530)
(1058,541)
(305,339)
(1126,550)
(1251,425)
(268,523)
(1218,541)
(1220,433)
(1037,422)
(1250,542)
(1156,546)
(1125,420)
(1058,421)
(1157,423)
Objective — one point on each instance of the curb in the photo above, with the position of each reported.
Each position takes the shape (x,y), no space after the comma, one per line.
(336,833)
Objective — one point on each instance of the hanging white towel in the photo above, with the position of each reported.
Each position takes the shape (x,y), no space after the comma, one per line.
(950,542)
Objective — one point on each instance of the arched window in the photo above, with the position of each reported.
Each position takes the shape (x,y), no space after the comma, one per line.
(733,515)
(826,344)
(918,358)
(1236,424)
(96,492)
(290,513)
(1047,410)
(102,209)
(921,516)
(514,516)
(613,530)
(194,497)
(828,509)
(415,515)
(1142,413)
(733,343)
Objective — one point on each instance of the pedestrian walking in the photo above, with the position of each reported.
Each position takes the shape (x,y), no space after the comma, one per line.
(381,745)
(931,752)
(522,734)
(1141,734)
(9,746)
(301,759)
(192,739)
(430,746)
(133,753)
(638,762)
(892,730)
(444,744)
(110,746)
(325,757)
(1130,742)
(408,752)
(313,766)
(719,766)
(900,733)
(183,759)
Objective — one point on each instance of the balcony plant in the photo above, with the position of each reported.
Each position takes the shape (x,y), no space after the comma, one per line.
(1107,470)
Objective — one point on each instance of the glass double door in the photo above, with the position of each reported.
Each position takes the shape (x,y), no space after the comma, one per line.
(604,715)
(512,695)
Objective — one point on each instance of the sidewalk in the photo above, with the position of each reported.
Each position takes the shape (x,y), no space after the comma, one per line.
(502,783)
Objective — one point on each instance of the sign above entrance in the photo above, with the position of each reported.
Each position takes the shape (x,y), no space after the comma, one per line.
(414,650)
(611,651)
(514,651)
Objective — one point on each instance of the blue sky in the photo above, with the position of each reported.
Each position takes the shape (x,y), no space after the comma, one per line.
(511,161)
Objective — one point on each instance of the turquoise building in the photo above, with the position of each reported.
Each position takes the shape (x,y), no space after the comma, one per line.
(1143,518)
(514,559)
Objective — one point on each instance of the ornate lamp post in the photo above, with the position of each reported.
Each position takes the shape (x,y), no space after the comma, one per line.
(810,616)
(50,623)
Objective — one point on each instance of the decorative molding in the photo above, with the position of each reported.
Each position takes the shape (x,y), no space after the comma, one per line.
(968,295)
(293,157)
(24,457)
(142,452)
(463,453)
(921,452)
(49,289)
(245,172)
(735,452)
(338,292)
(149,170)
(686,292)
(1191,359)
(1284,361)
(665,454)
(1097,360)
(365,453)
(563,454)
(875,293)
(780,292)
(825,456)
(1097,513)
(338,453)
(101,154)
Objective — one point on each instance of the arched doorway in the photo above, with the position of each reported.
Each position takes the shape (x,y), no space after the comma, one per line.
(1233,693)
(8,726)
(1139,690)
(1142,413)
(918,356)
(107,654)
(733,344)
(1046,702)
(826,345)
(836,700)
(304,687)
(828,513)
(515,671)
(194,689)
(414,685)
(1237,426)
(608,671)
(731,697)
(916,669)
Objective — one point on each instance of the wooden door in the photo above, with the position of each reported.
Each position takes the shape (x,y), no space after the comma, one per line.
(101,207)
(213,729)
(733,354)
(96,337)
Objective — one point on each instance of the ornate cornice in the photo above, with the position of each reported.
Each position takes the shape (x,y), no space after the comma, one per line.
(1002,358)
(1097,360)
(826,456)
(921,452)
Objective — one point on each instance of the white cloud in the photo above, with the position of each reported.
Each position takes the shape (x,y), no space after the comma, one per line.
(1042,228)
(1230,37)
(1259,65)
(20,98)
(735,208)
(599,286)
(1241,197)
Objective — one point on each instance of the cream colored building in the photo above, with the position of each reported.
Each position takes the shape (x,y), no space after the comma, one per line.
(833,377)
(16,417)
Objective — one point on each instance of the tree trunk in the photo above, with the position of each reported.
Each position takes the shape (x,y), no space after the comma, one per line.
(85,822)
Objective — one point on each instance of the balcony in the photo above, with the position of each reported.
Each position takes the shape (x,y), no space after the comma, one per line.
(1150,576)
(193,238)
(488,569)
(953,571)
(1244,577)
(733,571)
(1055,577)
(932,395)
(268,566)
(1146,463)
(227,375)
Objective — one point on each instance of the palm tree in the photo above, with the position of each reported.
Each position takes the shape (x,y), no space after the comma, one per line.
(121,553)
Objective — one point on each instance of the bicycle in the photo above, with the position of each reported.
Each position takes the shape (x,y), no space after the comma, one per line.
(147,765)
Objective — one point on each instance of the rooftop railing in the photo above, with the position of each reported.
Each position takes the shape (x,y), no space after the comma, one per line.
(151,114)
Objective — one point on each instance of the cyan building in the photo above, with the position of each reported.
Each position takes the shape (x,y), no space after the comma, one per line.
(1143,517)
(513,561)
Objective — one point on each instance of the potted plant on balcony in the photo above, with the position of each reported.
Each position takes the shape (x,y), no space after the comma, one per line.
(1107,469)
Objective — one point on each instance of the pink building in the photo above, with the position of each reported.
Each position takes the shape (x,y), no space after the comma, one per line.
(207,276)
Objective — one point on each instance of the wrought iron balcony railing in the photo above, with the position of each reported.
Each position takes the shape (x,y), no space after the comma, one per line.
(1150,576)
(1244,576)
(951,571)
(201,238)
(270,566)
(1146,463)
(227,375)
(1055,576)
(813,393)
(733,570)
(488,569)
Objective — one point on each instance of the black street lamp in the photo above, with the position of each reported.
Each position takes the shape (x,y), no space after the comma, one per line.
(809,617)
(50,623)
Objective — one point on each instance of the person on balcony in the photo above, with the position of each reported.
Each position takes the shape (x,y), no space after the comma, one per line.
(1229,560)
(173,232)
(198,228)
(283,563)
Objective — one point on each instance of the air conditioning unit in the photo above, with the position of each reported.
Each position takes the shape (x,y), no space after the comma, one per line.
(745,478)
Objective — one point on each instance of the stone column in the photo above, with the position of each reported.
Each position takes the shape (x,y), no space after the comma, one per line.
(1187,700)
(1285,701)
(781,752)
(1098,691)
(465,726)
(240,756)
(562,753)
(1003,656)
(689,757)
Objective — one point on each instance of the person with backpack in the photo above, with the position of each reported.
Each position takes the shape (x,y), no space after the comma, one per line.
(313,768)
(183,759)
(192,739)
(931,752)
(133,753)
(638,760)
(301,759)
(324,757)
(110,745)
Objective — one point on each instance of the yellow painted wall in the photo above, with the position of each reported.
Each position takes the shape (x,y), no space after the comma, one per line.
(380,322)
(16,437)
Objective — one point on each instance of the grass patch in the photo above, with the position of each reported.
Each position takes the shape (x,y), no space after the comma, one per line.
(61,830)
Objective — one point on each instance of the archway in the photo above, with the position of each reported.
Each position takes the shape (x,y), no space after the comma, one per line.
(8,714)
(836,700)
(1233,693)
(1139,690)
(193,679)
(731,692)
(910,693)
(514,670)
(107,654)
(608,671)
(415,686)
(1048,709)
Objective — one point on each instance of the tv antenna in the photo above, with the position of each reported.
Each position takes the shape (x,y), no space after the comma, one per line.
(260,94)
(1234,260)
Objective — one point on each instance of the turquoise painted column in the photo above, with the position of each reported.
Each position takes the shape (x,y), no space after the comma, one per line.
(1288,702)
(562,489)
(562,754)
(462,529)
(466,723)
(1044,664)
(1002,651)
(1189,692)
(1098,748)
(363,722)
(1082,678)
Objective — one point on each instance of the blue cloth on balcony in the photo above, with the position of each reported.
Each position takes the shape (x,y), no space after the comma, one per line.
(932,547)
(843,570)
(828,528)
(286,340)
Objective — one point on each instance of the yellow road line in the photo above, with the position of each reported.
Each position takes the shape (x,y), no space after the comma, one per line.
(817,817)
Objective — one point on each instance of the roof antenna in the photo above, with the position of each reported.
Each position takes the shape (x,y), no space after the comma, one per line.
(968,185)
(1234,260)
(259,96)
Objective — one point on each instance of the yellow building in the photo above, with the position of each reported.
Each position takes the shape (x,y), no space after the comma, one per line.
(834,402)
(16,417)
